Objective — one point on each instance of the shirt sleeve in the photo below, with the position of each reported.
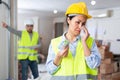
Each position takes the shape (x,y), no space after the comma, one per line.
(94,60)
(14,31)
(51,67)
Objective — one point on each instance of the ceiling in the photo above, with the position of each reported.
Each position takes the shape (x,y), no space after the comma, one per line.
(47,6)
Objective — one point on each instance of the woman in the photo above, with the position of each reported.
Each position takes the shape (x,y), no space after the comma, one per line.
(70,56)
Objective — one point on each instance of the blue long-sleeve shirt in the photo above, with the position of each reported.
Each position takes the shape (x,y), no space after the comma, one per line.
(93,61)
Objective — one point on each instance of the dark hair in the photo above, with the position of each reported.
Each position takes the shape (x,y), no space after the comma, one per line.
(70,17)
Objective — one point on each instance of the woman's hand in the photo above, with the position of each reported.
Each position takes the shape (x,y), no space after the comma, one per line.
(84,38)
(64,52)
(60,55)
(86,33)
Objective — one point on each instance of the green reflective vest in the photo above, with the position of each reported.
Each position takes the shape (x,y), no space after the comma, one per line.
(24,44)
(74,68)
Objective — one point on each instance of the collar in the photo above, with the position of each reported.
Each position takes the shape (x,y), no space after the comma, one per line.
(64,38)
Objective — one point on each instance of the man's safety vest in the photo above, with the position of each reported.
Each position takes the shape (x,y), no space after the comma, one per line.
(74,68)
(25,42)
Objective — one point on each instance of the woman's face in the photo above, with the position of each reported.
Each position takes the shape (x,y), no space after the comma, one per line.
(76,23)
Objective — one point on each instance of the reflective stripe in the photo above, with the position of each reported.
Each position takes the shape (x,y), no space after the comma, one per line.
(77,77)
(23,47)
(86,77)
(35,54)
(62,78)
(22,53)
(31,54)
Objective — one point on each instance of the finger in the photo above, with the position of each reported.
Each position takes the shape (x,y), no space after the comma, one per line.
(66,48)
(85,30)
(64,51)
(60,54)
(65,54)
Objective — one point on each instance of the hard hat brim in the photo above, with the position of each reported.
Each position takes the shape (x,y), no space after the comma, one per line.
(89,16)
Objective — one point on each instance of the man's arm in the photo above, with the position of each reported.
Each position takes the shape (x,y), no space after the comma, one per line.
(12,30)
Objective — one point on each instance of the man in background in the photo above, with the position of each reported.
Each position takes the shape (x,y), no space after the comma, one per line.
(28,46)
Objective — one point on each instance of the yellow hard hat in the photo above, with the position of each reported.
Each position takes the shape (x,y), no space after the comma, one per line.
(78,8)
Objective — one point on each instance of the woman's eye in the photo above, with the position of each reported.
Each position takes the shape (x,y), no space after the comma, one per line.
(83,24)
(78,22)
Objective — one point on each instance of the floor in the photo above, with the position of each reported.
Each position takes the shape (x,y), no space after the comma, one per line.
(42,72)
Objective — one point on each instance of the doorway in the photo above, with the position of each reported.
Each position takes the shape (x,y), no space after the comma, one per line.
(58,29)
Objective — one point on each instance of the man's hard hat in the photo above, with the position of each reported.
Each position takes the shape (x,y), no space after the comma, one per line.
(78,8)
(28,22)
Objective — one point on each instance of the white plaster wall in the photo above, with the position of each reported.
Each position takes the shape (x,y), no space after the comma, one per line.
(3,43)
(107,29)
(46,30)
